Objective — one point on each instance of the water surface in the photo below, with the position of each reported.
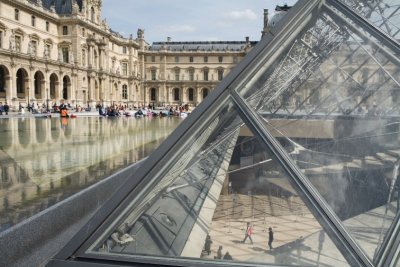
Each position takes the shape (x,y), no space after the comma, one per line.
(43,161)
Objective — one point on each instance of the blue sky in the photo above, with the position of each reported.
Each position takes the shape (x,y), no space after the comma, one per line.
(190,20)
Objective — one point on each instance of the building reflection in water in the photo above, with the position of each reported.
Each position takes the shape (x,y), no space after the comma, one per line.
(43,161)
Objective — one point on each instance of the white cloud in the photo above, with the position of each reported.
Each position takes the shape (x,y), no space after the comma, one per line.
(246,14)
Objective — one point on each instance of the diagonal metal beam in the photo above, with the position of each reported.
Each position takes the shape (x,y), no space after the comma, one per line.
(380,35)
(314,201)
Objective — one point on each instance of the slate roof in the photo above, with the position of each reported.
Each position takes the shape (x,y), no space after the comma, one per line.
(63,7)
(201,46)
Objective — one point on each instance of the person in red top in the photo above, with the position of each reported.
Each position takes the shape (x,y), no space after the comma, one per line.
(249,233)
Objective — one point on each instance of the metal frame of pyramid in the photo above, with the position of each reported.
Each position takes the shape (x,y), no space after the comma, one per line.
(258,60)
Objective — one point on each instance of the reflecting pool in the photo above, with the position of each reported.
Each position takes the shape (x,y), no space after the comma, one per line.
(43,161)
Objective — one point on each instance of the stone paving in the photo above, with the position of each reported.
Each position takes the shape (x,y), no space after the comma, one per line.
(297,238)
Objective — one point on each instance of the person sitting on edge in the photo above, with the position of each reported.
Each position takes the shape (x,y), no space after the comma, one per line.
(227,256)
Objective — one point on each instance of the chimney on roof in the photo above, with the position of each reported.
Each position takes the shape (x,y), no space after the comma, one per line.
(169,39)
(247,39)
(265,29)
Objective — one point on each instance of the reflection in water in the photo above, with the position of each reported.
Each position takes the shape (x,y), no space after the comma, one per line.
(46,160)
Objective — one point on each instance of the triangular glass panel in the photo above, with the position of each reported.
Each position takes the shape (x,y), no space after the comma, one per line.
(223,186)
(384,14)
(332,100)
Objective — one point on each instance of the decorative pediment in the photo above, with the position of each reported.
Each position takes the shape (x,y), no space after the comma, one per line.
(34,36)
(48,41)
(19,31)
(65,43)
(3,27)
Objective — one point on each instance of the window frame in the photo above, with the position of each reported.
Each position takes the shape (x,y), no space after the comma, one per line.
(16,14)
(64,30)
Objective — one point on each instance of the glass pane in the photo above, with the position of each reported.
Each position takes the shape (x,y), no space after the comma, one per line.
(224,187)
(384,14)
(332,100)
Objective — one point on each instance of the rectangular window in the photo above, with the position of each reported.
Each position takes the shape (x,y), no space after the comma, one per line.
(83,32)
(220,75)
(176,59)
(16,14)
(65,30)
(125,69)
(176,94)
(1,39)
(153,58)
(153,75)
(153,94)
(220,59)
(205,75)
(177,75)
(84,57)
(124,49)
(47,26)
(18,43)
(191,75)
(125,92)
(33,21)
(205,59)
(65,54)
(191,59)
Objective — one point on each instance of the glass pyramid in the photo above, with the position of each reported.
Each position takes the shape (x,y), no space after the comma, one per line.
(293,160)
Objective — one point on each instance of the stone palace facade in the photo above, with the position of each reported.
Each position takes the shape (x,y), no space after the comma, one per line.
(61,50)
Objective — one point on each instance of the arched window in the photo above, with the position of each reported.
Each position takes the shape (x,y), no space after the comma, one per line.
(124,91)
(66,83)
(205,93)
(2,80)
(21,77)
(92,14)
(191,94)
(176,94)
(153,94)
(53,82)
(220,74)
(38,79)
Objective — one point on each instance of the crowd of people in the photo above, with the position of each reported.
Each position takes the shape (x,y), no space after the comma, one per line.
(4,108)
(112,110)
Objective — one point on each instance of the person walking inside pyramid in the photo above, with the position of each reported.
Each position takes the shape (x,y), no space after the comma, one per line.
(248,233)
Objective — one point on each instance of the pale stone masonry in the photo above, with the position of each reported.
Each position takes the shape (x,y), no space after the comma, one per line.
(61,50)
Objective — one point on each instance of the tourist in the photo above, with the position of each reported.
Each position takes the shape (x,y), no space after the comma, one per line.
(1,108)
(227,256)
(248,233)
(270,238)
(207,245)
(6,108)
(219,253)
